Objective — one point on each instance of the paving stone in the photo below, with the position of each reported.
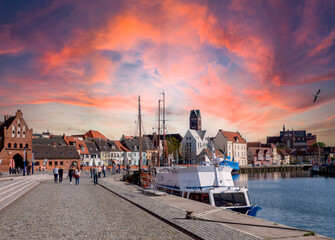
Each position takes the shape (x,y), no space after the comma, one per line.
(85,211)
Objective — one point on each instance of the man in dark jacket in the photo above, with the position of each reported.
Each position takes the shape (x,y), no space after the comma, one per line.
(60,173)
(71,172)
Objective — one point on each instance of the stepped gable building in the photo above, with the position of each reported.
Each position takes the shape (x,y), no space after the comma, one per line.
(15,141)
(195,120)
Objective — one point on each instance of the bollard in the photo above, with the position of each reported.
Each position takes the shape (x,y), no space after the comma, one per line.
(190,214)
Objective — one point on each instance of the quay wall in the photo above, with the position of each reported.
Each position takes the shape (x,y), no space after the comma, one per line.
(327,170)
(274,168)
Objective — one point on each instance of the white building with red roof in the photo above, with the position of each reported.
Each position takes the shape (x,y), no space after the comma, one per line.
(233,145)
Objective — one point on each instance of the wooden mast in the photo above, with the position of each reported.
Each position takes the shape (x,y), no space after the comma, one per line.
(140,135)
(159,132)
(164,129)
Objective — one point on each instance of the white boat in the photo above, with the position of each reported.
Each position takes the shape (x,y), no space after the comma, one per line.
(210,183)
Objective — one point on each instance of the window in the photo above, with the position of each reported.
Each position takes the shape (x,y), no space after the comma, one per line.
(15,145)
(50,163)
(61,163)
(27,145)
(37,163)
(56,163)
(21,146)
(9,145)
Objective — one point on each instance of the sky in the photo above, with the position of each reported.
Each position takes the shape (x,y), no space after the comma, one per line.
(248,66)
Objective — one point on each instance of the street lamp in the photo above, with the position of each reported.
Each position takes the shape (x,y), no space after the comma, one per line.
(24,161)
(32,163)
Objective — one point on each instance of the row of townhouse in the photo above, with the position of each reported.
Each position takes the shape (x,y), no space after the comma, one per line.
(229,145)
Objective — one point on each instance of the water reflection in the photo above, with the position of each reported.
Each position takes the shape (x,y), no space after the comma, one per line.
(296,198)
(243,178)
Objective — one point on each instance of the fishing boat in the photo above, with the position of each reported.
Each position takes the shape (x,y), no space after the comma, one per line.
(210,183)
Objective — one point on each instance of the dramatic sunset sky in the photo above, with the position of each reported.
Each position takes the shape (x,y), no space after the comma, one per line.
(76,65)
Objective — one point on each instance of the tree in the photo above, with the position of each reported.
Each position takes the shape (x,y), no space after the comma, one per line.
(319,144)
(173,146)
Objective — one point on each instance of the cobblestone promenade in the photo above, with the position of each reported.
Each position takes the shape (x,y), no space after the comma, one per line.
(69,211)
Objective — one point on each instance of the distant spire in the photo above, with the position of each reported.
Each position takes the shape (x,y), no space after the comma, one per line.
(283,127)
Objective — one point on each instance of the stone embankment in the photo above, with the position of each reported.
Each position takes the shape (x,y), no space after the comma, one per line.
(274,168)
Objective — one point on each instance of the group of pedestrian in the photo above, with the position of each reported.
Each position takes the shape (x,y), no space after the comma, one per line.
(58,173)
(96,173)
(16,170)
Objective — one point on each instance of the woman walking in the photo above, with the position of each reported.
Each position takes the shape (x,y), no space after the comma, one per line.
(77,175)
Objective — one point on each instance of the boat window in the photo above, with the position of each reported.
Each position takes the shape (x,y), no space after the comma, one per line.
(229,199)
(177,193)
(200,197)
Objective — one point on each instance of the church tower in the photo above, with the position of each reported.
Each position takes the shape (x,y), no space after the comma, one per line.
(195,120)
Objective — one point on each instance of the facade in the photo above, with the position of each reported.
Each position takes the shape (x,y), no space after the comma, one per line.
(195,120)
(81,148)
(293,139)
(15,142)
(47,157)
(284,157)
(260,156)
(232,145)
(193,144)
(104,150)
(93,156)
(119,153)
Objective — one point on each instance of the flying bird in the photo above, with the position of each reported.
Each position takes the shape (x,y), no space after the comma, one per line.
(316,95)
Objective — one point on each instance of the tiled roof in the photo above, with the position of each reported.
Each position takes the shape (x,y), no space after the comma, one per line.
(118,147)
(133,144)
(55,152)
(92,147)
(261,150)
(49,141)
(235,137)
(102,144)
(95,134)
(80,145)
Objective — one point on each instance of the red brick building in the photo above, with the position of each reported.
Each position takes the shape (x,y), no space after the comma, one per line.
(15,142)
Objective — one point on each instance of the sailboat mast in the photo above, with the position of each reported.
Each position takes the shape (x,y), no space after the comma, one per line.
(164,129)
(159,132)
(140,132)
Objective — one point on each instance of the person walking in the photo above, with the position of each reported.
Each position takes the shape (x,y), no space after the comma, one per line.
(71,172)
(60,173)
(77,175)
(104,170)
(95,175)
(91,171)
(99,170)
(55,171)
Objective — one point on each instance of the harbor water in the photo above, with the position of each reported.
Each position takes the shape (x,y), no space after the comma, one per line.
(297,199)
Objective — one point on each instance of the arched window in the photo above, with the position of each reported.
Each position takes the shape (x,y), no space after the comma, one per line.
(21,146)
(9,145)
(26,145)
(18,128)
(13,131)
(24,131)
(15,145)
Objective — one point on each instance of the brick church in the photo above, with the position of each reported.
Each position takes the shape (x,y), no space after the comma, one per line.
(15,142)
